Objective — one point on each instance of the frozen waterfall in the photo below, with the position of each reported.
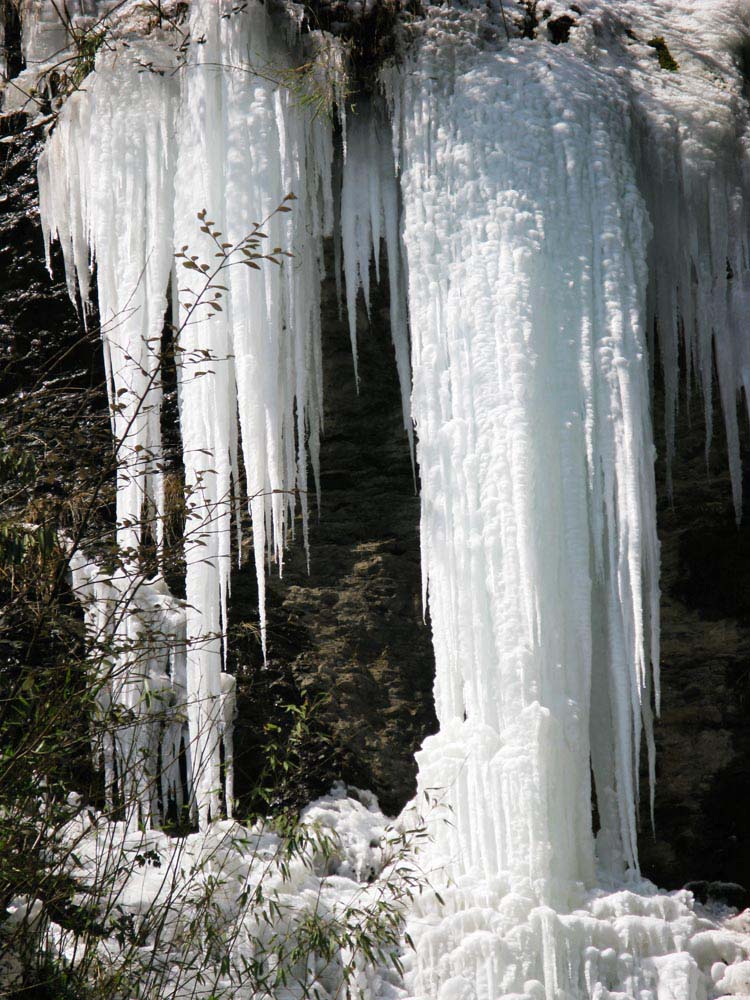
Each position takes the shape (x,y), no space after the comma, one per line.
(132,162)
(553,216)
(527,294)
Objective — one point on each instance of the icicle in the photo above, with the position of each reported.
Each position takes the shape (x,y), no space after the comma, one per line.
(243,145)
(3,59)
(370,212)
(249,364)
(105,192)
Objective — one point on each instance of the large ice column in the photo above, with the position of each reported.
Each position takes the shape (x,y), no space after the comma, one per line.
(106,181)
(538,182)
(253,365)
(526,240)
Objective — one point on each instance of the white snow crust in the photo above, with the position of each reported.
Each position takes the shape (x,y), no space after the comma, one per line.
(192,904)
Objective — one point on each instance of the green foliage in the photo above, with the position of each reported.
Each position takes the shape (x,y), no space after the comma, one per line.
(286,746)
(85,44)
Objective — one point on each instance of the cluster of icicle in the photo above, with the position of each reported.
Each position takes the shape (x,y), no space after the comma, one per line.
(135,630)
(556,202)
(132,161)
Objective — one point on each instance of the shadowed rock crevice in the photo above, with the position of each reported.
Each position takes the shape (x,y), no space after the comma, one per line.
(353,629)
(702,809)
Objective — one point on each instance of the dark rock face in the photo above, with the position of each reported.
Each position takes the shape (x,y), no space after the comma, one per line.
(702,809)
(724,893)
(558,28)
(36,316)
(352,628)
(361,608)
(52,394)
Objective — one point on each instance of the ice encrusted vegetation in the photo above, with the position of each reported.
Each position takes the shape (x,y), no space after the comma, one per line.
(556,217)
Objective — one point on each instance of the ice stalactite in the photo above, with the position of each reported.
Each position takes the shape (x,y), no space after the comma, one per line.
(694,171)
(244,143)
(136,632)
(526,248)
(3,59)
(106,181)
(371,215)
(127,171)
(536,189)
(232,139)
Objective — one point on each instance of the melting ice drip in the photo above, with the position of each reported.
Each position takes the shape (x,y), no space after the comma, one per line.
(555,201)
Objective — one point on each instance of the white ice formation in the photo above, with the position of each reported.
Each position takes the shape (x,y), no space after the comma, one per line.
(553,215)
(131,163)
(556,209)
(628,944)
(136,631)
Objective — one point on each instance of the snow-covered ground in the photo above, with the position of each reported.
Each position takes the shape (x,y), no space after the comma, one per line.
(234,911)
(220,913)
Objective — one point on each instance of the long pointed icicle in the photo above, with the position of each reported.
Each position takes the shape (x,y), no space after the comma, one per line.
(106,192)
(244,144)
(370,213)
(118,190)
